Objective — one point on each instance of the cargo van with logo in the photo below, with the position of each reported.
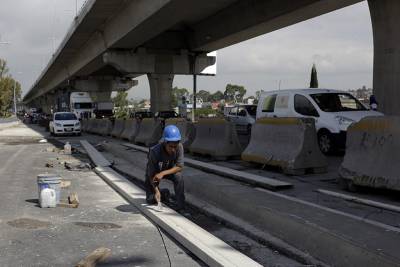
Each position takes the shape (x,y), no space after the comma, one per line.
(333,111)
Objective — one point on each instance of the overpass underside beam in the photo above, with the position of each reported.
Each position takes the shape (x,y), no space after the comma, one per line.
(147,63)
(385,25)
(160,70)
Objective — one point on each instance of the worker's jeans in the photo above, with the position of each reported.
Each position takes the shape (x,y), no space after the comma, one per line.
(179,189)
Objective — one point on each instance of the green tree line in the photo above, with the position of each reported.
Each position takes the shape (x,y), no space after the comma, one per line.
(7,86)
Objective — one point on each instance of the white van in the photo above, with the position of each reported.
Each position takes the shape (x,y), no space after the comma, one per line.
(333,111)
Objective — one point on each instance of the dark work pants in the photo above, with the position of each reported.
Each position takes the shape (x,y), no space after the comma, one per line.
(179,188)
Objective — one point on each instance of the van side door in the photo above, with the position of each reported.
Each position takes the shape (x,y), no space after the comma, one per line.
(282,106)
(304,107)
(267,106)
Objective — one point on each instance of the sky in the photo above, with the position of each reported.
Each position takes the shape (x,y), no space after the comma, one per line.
(339,43)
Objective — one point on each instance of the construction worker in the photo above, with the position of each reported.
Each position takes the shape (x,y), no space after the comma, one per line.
(165,161)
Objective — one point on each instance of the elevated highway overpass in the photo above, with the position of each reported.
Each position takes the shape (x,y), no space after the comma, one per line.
(112,41)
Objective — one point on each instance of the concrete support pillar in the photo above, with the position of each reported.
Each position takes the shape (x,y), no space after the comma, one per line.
(160,91)
(385,25)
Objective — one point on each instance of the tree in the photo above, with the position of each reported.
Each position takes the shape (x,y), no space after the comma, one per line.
(121,103)
(217,96)
(234,93)
(177,94)
(7,87)
(314,78)
(204,95)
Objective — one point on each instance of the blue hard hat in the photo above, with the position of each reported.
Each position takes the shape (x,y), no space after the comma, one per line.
(171,134)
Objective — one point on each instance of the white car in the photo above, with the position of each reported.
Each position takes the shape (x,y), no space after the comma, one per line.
(242,115)
(333,111)
(64,123)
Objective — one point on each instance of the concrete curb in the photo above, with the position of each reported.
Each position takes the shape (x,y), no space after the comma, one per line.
(205,246)
(261,181)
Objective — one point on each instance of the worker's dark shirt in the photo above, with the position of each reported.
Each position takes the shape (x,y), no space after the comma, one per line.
(159,160)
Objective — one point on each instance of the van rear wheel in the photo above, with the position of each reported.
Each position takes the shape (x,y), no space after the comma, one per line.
(325,142)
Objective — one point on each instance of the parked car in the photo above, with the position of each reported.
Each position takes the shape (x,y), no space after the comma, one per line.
(64,123)
(142,114)
(166,114)
(242,115)
(333,111)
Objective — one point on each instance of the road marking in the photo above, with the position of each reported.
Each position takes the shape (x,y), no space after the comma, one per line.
(358,200)
(351,216)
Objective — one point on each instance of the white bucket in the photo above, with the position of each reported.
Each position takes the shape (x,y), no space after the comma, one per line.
(47,198)
(49,181)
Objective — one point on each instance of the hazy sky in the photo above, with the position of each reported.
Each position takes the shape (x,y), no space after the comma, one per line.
(340,43)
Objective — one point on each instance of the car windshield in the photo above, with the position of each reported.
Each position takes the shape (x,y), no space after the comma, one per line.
(65,117)
(83,105)
(252,110)
(337,102)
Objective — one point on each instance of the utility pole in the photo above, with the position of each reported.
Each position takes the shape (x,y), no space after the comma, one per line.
(15,103)
(193,69)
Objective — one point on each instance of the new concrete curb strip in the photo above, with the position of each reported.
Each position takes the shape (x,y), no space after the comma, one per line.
(205,246)
(249,178)
(96,157)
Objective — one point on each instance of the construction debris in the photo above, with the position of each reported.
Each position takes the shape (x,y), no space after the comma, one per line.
(77,166)
(65,184)
(73,202)
(95,257)
(49,165)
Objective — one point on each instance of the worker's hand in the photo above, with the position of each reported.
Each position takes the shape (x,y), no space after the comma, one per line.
(158,177)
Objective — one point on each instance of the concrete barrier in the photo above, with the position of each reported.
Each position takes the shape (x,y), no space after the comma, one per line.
(104,127)
(84,125)
(289,143)
(150,132)
(131,129)
(118,128)
(92,123)
(373,153)
(187,129)
(216,138)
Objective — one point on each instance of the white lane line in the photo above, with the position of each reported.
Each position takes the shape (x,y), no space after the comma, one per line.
(351,216)
(358,200)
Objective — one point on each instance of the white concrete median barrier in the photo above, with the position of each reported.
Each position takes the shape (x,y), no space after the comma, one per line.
(289,143)
(118,128)
(84,125)
(150,132)
(216,138)
(92,125)
(186,129)
(131,129)
(103,127)
(373,153)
